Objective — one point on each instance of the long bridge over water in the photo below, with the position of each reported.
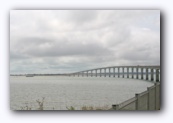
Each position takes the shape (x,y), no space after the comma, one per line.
(151,73)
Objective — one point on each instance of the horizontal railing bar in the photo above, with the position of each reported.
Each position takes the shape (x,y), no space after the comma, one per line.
(143,93)
(127,102)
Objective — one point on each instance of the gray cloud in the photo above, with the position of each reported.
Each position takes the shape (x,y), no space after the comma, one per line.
(62,47)
(59,41)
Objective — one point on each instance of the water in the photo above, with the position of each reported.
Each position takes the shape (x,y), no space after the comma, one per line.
(63,92)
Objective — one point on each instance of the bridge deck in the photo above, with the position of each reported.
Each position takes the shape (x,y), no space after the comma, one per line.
(151,67)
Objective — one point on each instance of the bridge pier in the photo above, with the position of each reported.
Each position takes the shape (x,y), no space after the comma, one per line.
(132,73)
(96,72)
(142,73)
(146,73)
(105,72)
(100,72)
(114,71)
(91,73)
(118,72)
(127,72)
(123,71)
(137,77)
(157,75)
(109,71)
(152,75)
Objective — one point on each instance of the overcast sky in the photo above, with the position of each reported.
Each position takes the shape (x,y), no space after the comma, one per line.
(63,41)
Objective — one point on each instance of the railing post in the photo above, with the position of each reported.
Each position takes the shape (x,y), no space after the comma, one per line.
(127,72)
(146,73)
(155,86)
(148,102)
(115,107)
(137,101)
(123,71)
(157,96)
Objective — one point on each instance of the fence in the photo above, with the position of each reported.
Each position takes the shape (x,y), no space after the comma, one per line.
(147,100)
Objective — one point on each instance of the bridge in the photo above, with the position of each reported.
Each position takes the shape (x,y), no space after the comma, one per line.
(149,73)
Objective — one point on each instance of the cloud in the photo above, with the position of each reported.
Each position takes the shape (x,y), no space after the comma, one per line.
(55,41)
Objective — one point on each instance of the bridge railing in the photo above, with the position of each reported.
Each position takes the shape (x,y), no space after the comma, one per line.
(147,100)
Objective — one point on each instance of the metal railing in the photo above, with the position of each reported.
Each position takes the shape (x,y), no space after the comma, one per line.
(147,100)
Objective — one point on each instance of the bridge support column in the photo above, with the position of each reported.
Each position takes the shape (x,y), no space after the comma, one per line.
(142,73)
(96,72)
(152,75)
(105,72)
(100,72)
(137,77)
(114,71)
(123,71)
(118,72)
(87,73)
(109,72)
(146,73)
(132,73)
(91,73)
(127,72)
(157,75)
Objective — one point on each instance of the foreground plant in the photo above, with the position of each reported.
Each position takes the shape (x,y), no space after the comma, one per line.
(70,108)
(40,103)
(26,107)
(106,107)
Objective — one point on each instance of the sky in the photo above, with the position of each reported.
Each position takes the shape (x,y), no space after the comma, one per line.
(65,41)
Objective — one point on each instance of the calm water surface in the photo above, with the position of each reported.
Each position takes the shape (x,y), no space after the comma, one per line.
(62,92)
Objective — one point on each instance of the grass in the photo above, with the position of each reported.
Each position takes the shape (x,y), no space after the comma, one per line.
(40,105)
(71,108)
(90,108)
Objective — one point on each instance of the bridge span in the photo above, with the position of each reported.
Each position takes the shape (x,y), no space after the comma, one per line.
(150,73)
